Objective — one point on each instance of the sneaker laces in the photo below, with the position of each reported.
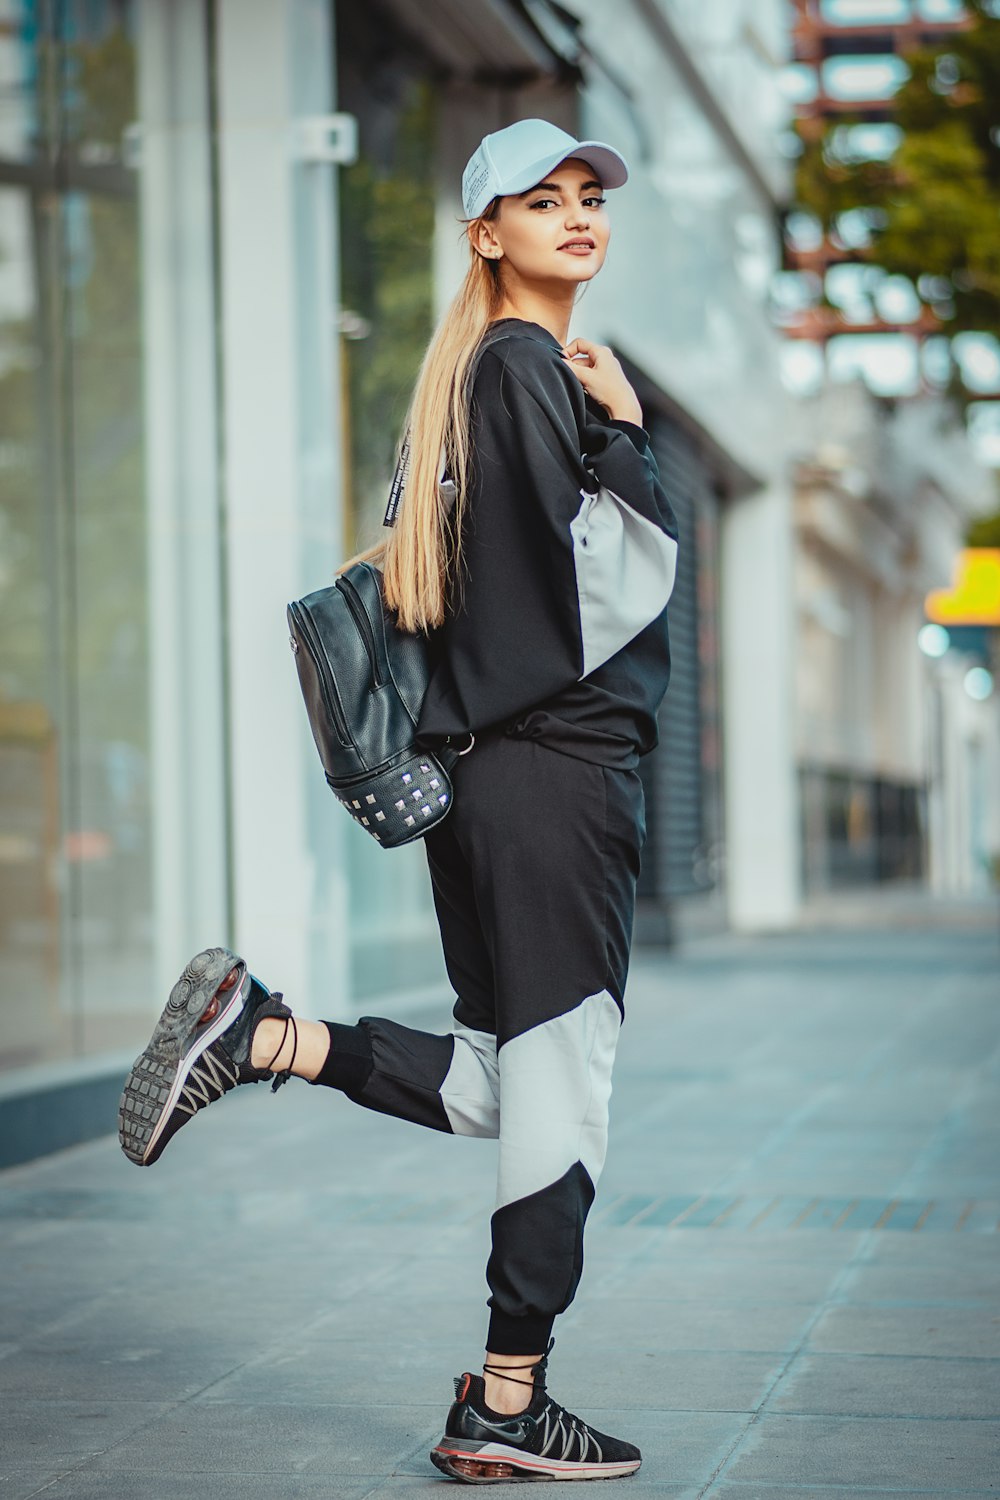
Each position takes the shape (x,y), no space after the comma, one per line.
(573,1424)
(538,1369)
(285,1073)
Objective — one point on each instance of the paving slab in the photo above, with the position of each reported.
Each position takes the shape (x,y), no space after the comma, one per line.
(767,1309)
(907,1281)
(873,1386)
(900,1454)
(751,1490)
(226,1437)
(640,1323)
(88,1484)
(21,1482)
(61,1433)
(922,1330)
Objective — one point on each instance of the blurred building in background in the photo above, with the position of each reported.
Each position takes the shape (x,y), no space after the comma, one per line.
(226,230)
(895,758)
(896,752)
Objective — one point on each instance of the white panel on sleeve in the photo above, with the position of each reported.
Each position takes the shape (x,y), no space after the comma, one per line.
(471,1089)
(625,570)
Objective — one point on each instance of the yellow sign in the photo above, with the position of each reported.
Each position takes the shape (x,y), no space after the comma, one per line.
(975,597)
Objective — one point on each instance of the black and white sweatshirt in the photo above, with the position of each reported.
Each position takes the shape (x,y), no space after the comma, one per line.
(569,551)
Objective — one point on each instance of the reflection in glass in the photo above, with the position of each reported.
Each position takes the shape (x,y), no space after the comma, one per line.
(75,888)
(387,311)
(387,236)
(29,692)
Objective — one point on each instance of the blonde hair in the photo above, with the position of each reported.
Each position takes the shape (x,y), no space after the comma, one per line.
(422,553)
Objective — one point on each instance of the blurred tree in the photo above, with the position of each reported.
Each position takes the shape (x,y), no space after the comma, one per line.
(387,240)
(933,206)
(985,532)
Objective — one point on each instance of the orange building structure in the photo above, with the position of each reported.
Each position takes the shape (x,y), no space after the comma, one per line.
(816,40)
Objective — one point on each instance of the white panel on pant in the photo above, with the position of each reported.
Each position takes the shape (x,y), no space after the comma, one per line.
(471,1089)
(625,570)
(555,1086)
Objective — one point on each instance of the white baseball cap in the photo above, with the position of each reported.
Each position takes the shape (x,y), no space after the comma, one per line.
(514,159)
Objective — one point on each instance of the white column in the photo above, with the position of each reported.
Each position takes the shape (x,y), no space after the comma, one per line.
(283,506)
(189,798)
(761,790)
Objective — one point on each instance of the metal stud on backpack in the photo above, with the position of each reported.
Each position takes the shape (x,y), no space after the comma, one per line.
(363,681)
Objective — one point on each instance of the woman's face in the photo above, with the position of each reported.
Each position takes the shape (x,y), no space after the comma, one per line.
(557,231)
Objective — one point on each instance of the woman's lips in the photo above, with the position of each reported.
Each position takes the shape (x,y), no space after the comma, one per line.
(578,247)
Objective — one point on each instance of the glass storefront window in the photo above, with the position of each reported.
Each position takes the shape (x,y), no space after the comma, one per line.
(30,1022)
(387,201)
(387,234)
(75,840)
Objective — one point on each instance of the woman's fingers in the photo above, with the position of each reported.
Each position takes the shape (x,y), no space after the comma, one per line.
(584,373)
(583,347)
(602,377)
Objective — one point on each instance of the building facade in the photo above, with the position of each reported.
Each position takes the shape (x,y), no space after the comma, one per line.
(894,757)
(226,230)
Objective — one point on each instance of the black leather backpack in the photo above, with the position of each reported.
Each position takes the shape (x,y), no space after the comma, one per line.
(363,681)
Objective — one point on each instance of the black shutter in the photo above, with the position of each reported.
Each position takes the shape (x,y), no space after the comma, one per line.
(674,862)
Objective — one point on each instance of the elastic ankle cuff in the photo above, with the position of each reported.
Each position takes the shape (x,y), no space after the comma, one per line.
(509,1335)
(349,1062)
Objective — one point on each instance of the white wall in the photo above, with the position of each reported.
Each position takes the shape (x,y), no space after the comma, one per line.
(683,294)
(278,272)
(758,676)
(693,248)
(964,783)
(738,46)
(186,682)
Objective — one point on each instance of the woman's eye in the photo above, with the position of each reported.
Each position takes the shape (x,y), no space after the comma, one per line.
(551,202)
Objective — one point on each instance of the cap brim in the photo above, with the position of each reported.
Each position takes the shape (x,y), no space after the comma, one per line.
(610,167)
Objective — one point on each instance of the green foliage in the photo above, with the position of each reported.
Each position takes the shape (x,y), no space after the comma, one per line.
(935,204)
(387,238)
(985,532)
(943,219)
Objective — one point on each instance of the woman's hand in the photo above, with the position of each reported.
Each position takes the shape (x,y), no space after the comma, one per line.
(602,377)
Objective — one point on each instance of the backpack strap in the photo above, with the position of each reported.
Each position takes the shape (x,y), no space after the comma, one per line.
(398,482)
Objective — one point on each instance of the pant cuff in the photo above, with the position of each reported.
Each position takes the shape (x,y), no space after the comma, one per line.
(349,1061)
(510,1335)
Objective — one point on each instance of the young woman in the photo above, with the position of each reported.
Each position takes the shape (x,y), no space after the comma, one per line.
(542,573)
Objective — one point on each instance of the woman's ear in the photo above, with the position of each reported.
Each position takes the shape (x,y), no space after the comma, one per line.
(482,238)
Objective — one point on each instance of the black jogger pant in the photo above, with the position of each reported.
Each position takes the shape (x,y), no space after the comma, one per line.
(533,874)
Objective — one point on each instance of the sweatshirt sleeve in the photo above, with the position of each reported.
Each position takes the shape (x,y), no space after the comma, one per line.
(569,547)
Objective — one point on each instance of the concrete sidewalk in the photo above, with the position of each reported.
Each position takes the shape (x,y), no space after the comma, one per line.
(793,1279)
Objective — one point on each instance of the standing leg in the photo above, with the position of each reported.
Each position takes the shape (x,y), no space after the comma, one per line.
(553,844)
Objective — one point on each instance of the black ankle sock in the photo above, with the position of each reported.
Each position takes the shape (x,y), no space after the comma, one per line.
(349,1062)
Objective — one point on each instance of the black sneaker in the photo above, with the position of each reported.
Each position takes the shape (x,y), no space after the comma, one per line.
(199,1050)
(481,1446)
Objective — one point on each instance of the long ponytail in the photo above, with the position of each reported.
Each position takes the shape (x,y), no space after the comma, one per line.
(422,552)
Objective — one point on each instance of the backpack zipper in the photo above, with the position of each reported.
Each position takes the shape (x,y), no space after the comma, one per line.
(356,605)
(327,685)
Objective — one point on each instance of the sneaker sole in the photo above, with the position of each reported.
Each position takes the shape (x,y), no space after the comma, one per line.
(161,1070)
(495,1463)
